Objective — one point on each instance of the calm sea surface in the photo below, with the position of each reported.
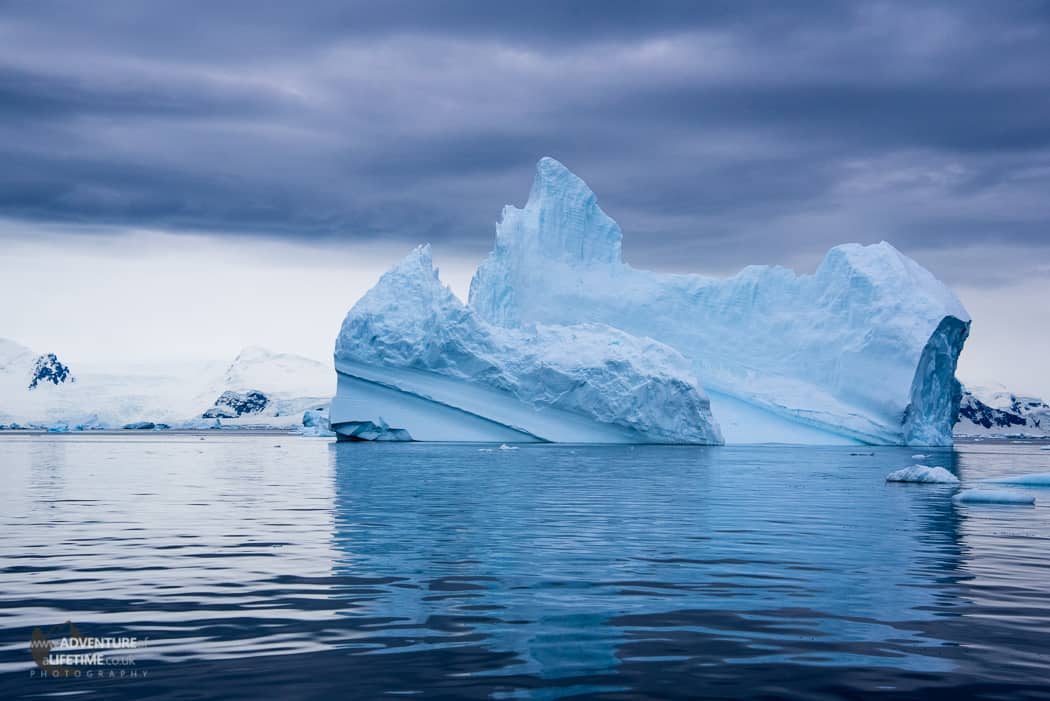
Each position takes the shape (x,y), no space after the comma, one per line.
(280,567)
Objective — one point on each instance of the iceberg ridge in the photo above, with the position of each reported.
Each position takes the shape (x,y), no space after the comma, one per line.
(412,358)
(866,347)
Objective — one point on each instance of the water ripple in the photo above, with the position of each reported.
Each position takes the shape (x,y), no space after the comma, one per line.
(546,572)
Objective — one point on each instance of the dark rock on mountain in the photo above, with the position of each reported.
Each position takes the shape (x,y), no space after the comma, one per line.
(49,368)
(230,404)
(1007,415)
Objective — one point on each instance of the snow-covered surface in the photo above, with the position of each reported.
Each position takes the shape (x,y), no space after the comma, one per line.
(865,348)
(995,411)
(15,355)
(923,474)
(993,496)
(281,375)
(1034,479)
(173,395)
(412,357)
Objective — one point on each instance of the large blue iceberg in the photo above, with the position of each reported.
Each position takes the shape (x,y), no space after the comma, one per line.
(563,341)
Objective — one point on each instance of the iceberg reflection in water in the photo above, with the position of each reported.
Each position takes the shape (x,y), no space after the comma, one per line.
(649,571)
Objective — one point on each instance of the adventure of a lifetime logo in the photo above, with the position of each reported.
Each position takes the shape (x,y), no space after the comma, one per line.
(63,652)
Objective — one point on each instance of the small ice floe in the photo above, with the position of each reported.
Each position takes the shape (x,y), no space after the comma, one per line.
(863,454)
(485,450)
(919,456)
(504,446)
(993,496)
(1033,479)
(923,474)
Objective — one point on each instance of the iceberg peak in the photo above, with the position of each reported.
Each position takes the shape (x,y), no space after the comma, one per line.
(418,262)
(561,223)
(561,219)
(883,268)
(554,181)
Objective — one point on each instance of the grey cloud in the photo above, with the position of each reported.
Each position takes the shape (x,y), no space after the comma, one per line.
(716,133)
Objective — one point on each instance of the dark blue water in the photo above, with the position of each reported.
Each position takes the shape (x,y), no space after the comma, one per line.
(281,567)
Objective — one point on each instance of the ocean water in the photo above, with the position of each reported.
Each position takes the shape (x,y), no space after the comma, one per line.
(263,566)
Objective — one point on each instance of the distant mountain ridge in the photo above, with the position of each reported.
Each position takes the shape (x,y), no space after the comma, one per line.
(998,412)
(263,389)
(258,388)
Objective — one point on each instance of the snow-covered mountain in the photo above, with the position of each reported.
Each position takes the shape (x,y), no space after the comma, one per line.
(20,363)
(17,361)
(258,388)
(995,411)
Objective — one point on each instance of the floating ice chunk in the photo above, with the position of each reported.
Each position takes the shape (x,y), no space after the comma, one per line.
(504,446)
(315,424)
(993,496)
(923,474)
(919,456)
(1034,479)
(378,430)
(316,432)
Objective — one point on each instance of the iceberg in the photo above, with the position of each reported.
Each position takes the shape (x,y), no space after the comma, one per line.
(993,496)
(864,349)
(1034,479)
(923,474)
(414,363)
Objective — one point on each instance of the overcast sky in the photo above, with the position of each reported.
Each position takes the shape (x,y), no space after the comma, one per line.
(165,164)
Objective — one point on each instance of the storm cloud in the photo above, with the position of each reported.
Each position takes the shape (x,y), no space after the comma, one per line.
(717,134)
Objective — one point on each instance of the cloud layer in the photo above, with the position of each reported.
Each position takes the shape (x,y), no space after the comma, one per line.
(717,134)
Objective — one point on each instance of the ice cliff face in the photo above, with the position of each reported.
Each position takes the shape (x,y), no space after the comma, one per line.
(865,348)
(415,363)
